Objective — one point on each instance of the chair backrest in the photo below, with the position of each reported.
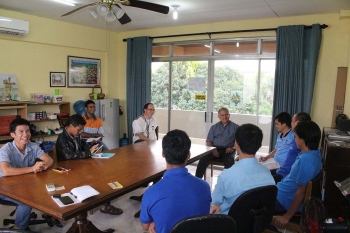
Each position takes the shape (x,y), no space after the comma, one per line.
(314,187)
(54,154)
(211,223)
(253,209)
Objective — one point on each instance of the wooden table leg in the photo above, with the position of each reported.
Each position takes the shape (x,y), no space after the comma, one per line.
(82,225)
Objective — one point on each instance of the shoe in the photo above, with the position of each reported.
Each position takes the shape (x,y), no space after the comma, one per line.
(111,210)
(137,215)
(136,198)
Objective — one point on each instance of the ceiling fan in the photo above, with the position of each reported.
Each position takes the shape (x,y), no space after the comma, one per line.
(112,11)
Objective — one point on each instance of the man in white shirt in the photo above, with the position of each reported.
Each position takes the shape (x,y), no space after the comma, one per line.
(144,127)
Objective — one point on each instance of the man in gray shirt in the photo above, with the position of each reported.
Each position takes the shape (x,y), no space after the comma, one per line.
(222,136)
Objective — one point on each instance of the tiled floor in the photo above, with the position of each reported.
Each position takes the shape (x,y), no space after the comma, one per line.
(125,223)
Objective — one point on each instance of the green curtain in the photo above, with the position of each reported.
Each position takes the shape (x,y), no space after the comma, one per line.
(138,77)
(296,64)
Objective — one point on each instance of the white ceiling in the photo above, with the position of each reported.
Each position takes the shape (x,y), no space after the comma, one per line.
(190,11)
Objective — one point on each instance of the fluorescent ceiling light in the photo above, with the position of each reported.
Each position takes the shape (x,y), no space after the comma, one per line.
(3,19)
(175,11)
(69,3)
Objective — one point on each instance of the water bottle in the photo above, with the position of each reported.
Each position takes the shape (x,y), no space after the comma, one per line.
(123,141)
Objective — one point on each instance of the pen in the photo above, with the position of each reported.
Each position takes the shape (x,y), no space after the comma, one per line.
(73,194)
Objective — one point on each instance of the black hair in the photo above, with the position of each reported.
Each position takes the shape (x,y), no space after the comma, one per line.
(302,116)
(310,132)
(249,138)
(75,120)
(284,118)
(176,146)
(146,105)
(16,122)
(88,102)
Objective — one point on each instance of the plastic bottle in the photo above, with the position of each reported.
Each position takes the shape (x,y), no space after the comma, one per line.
(123,141)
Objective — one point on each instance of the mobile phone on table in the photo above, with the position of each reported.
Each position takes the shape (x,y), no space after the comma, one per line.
(66,200)
(97,149)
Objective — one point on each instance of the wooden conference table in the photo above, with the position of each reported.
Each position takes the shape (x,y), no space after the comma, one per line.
(132,166)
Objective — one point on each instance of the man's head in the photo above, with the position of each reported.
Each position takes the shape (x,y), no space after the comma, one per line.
(224,115)
(90,107)
(20,131)
(308,134)
(148,110)
(282,121)
(176,147)
(248,138)
(75,124)
(299,117)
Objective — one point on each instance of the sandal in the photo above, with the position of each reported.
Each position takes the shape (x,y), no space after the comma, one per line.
(111,210)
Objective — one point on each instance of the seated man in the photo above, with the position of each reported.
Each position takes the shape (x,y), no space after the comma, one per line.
(20,157)
(246,174)
(284,138)
(94,125)
(291,190)
(179,194)
(70,146)
(293,151)
(222,136)
(144,127)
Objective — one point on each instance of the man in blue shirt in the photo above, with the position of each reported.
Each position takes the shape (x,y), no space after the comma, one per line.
(20,157)
(246,174)
(291,190)
(222,136)
(178,195)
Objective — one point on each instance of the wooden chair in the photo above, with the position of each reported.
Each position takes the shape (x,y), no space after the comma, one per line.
(210,223)
(54,154)
(314,189)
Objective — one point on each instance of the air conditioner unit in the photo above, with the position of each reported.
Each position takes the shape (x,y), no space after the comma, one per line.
(14,27)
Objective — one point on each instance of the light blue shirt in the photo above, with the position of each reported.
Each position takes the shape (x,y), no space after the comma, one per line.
(244,175)
(306,167)
(10,153)
(282,146)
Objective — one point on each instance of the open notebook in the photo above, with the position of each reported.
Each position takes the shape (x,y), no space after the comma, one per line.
(78,195)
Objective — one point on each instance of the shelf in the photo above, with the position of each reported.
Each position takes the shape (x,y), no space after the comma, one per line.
(43,120)
(56,103)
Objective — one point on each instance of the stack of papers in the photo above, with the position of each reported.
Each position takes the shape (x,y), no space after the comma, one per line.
(342,136)
(344,186)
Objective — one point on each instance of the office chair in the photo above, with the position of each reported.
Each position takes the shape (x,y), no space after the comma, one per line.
(211,223)
(33,215)
(253,210)
(314,189)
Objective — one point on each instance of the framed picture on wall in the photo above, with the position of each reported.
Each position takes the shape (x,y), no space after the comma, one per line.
(57,79)
(84,72)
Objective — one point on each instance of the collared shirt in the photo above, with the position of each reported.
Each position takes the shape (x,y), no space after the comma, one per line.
(282,146)
(222,136)
(244,175)
(93,125)
(177,196)
(140,125)
(10,153)
(306,167)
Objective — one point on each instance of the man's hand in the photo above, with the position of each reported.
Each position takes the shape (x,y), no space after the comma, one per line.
(152,228)
(262,159)
(93,148)
(216,153)
(279,221)
(38,167)
(214,209)
(230,150)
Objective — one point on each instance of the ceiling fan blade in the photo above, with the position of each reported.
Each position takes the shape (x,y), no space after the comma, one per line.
(79,8)
(125,18)
(150,6)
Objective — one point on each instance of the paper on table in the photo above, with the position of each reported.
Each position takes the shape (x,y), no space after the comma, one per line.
(77,194)
(102,155)
(60,204)
(271,164)
(93,139)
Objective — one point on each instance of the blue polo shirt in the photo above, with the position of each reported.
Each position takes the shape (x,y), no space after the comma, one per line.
(10,153)
(306,167)
(222,136)
(292,154)
(177,196)
(282,146)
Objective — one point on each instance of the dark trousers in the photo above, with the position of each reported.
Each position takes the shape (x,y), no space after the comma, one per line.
(227,158)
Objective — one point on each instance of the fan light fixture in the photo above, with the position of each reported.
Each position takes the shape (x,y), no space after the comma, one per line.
(175,11)
(69,3)
(110,13)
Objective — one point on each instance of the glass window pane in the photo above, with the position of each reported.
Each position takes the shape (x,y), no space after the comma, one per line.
(191,49)
(268,47)
(161,51)
(236,47)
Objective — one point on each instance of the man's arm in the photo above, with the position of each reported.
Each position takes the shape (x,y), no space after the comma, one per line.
(215,151)
(90,135)
(271,155)
(48,161)
(280,221)
(142,136)
(7,170)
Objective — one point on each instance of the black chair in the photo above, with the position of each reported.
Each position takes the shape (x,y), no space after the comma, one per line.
(253,210)
(211,223)
(33,216)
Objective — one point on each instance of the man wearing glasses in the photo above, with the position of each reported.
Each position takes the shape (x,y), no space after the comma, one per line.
(222,136)
(144,127)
